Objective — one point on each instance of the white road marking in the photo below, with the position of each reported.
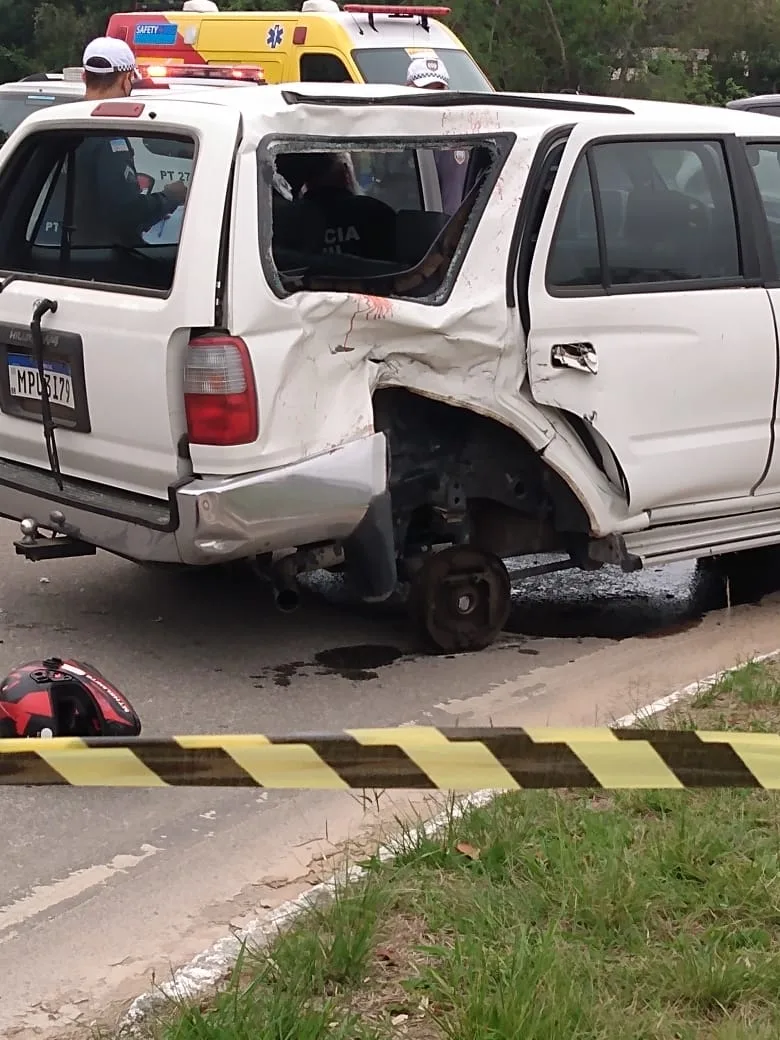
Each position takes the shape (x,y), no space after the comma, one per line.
(46,897)
(691,690)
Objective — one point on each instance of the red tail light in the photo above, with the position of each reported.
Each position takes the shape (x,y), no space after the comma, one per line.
(219,392)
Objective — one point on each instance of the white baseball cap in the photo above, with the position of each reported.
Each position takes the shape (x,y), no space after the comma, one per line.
(106,55)
(427,69)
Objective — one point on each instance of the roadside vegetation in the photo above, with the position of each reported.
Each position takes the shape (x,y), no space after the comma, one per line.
(704,51)
(590,916)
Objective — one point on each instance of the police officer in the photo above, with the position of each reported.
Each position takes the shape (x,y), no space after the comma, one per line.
(429,72)
(328,196)
(109,207)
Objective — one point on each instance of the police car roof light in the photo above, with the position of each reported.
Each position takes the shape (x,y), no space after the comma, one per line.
(74,74)
(253,73)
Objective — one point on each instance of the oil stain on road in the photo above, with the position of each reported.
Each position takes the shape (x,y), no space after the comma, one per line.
(604,604)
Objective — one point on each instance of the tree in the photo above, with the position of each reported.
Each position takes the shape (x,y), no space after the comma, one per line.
(705,51)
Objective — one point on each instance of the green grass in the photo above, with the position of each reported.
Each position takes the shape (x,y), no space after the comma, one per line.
(546,915)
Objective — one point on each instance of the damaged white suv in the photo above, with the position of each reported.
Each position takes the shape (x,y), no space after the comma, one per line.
(581,358)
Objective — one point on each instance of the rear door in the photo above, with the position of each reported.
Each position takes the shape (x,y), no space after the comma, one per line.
(648,325)
(127,291)
(764,161)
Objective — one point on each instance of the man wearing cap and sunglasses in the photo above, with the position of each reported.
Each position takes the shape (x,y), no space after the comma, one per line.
(110,208)
(429,72)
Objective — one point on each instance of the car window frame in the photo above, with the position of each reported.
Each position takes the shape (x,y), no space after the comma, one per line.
(322,53)
(744,201)
(501,142)
(10,180)
(770,265)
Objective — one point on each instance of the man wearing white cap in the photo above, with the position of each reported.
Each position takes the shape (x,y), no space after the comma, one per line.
(110,208)
(109,69)
(429,72)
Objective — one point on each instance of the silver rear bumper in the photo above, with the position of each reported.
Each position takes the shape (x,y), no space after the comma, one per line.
(208,520)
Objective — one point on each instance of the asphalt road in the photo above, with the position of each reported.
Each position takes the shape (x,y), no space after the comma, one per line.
(98,887)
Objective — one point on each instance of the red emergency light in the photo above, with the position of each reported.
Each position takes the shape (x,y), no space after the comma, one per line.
(400,12)
(247,73)
(423,13)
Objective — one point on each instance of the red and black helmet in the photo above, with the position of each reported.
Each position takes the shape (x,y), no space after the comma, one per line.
(63,699)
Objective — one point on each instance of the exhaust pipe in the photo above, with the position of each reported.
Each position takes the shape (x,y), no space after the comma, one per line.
(287,598)
(287,594)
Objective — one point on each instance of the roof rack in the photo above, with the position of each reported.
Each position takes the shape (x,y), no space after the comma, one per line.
(451,99)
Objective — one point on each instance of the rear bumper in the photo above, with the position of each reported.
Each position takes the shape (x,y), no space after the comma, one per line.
(330,497)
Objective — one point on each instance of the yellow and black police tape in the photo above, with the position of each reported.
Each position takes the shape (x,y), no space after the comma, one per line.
(410,757)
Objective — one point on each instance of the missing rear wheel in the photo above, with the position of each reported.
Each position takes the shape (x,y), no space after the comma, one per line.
(459,600)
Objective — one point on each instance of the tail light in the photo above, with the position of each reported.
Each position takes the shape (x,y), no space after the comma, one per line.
(219,392)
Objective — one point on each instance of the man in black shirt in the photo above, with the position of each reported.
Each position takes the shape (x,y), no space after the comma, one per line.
(323,183)
(109,206)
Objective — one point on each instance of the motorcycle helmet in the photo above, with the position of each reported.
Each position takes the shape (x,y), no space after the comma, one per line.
(63,699)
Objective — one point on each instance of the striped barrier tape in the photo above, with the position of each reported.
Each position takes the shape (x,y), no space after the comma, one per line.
(410,757)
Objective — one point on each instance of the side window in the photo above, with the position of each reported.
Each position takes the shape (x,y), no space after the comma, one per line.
(574,256)
(323,68)
(666,211)
(765,162)
(342,228)
(97,207)
(393,177)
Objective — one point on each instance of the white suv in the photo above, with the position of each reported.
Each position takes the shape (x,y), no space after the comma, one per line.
(583,358)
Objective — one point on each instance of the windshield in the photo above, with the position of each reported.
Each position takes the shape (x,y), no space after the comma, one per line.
(15,108)
(390,64)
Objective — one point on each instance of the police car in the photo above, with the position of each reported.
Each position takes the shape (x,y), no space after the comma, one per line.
(582,359)
(33,94)
(43,90)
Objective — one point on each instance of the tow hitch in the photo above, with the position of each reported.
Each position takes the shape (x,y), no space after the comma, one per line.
(35,546)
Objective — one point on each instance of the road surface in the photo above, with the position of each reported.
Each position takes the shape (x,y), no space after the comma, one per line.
(100,888)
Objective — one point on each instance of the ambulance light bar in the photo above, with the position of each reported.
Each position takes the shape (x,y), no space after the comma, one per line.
(400,12)
(423,13)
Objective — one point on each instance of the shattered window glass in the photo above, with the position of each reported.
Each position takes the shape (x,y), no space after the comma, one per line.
(386,220)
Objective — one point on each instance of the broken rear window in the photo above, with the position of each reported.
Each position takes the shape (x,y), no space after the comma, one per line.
(389,220)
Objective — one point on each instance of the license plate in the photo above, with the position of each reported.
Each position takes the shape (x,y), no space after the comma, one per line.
(25,382)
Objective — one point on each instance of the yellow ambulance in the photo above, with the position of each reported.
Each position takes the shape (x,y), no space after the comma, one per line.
(323,42)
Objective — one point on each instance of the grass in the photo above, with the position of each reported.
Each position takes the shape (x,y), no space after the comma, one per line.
(546,915)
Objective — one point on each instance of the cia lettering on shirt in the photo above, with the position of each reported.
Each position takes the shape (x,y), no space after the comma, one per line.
(336,236)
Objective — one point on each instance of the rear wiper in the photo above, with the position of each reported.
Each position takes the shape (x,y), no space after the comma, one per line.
(45,307)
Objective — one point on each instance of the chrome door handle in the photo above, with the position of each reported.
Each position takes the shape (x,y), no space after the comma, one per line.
(580,356)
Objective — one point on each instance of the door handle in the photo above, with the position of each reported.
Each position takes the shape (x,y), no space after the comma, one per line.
(580,356)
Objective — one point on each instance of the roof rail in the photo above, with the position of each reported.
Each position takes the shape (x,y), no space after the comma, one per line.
(452,99)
